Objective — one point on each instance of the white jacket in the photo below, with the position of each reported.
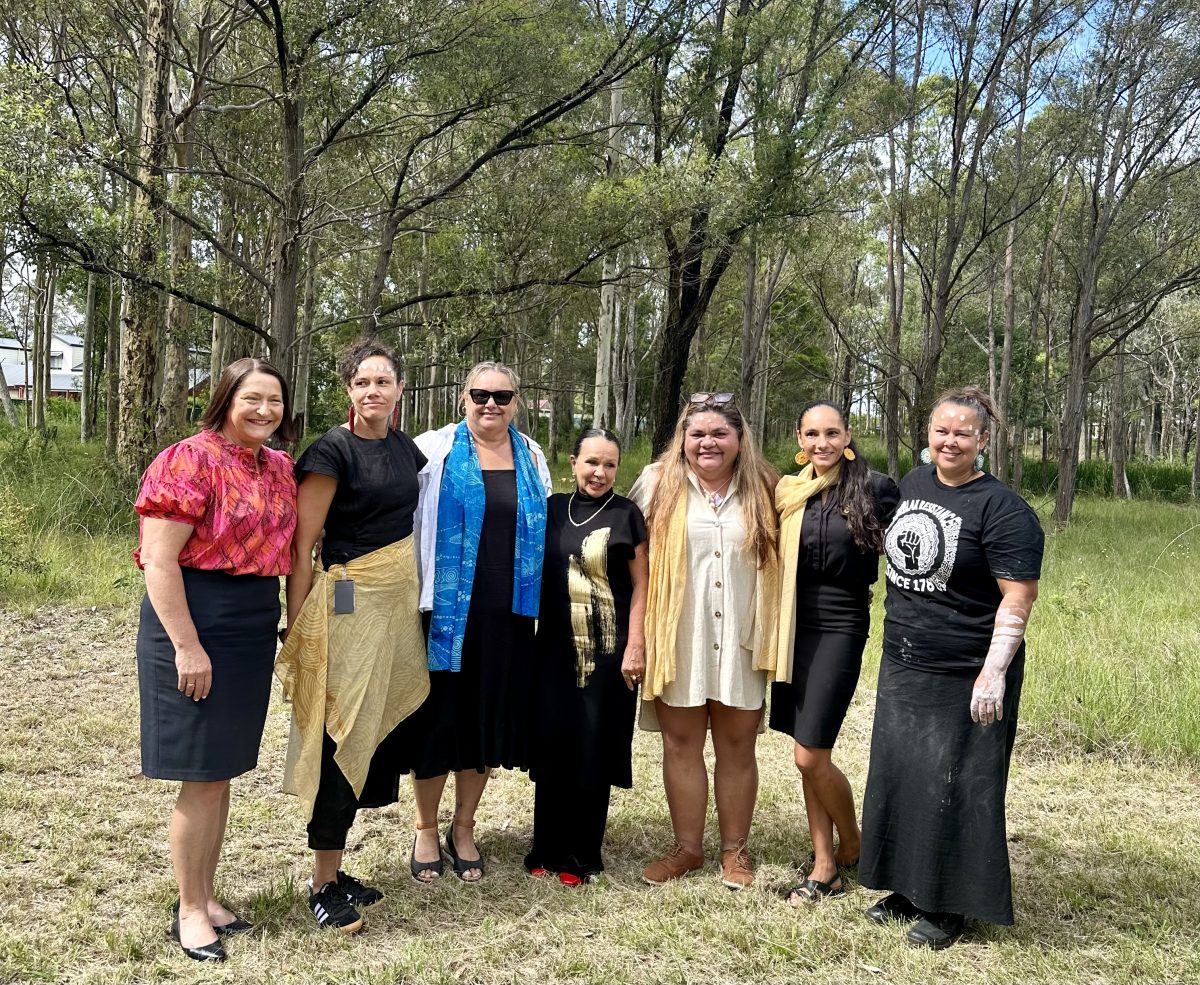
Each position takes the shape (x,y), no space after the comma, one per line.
(435,446)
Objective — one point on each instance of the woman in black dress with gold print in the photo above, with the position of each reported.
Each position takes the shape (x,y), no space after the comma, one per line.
(590,654)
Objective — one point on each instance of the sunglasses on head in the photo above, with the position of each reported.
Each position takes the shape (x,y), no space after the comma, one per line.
(711,399)
(502,397)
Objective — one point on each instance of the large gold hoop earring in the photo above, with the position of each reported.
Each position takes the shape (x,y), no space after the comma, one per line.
(801,458)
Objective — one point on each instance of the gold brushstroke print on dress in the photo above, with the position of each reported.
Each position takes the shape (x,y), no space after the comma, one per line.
(593,611)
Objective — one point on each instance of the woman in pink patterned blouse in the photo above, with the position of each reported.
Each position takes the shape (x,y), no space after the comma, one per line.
(217,514)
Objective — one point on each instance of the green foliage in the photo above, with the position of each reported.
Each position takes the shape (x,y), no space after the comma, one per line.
(1148,479)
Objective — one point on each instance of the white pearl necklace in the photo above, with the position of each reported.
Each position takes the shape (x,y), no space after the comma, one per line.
(584,523)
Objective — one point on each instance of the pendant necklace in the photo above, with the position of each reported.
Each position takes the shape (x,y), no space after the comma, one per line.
(584,523)
(715,499)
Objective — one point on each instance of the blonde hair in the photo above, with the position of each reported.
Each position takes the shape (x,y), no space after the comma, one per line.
(488,366)
(753,478)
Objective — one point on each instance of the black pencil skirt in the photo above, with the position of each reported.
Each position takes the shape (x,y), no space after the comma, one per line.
(236,618)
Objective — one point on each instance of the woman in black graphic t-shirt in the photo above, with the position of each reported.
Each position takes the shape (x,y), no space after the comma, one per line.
(964,554)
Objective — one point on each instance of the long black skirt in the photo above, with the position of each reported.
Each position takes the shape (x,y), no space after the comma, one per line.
(236,618)
(933,811)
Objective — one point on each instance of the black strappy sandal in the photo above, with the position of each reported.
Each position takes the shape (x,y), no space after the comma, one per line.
(462,865)
(814,890)
(417,868)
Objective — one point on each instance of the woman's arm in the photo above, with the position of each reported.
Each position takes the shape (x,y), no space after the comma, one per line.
(162,540)
(633,666)
(1012,615)
(312,507)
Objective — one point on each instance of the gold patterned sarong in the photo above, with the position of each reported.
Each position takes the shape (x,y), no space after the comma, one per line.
(357,675)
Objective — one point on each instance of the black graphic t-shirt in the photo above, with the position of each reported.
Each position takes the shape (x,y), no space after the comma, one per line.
(945,548)
(376,490)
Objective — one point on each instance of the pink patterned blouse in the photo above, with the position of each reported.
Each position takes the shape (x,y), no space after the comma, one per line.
(242,508)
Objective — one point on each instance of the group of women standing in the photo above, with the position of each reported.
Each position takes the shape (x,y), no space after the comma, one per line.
(462,618)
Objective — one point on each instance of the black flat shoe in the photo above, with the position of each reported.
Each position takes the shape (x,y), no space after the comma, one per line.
(893,908)
(206,952)
(936,931)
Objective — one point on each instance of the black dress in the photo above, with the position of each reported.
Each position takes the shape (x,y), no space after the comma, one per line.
(934,826)
(584,712)
(833,614)
(478,717)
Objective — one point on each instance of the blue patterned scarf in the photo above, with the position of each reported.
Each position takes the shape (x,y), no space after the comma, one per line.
(459,523)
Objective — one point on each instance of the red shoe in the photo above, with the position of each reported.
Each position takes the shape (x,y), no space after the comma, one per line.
(539,873)
(569,879)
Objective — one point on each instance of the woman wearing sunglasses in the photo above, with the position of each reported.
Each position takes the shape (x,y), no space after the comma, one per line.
(480,527)
(711,616)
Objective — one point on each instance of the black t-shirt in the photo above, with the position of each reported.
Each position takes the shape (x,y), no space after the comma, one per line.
(945,549)
(376,490)
(595,553)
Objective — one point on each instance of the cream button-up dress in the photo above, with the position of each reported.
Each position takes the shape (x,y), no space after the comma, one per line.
(713,656)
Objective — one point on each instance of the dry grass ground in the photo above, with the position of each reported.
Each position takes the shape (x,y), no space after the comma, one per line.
(1105,855)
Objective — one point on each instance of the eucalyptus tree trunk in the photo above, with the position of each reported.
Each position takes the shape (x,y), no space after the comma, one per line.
(6,401)
(43,332)
(303,348)
(628,376)
(1196,459)
(112,360)
(897,233)
(609,300)
(140,303)
(1000,440)
(86,393)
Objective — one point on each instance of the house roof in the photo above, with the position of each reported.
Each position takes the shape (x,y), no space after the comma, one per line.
(11,344)
(17,375)
(74,341)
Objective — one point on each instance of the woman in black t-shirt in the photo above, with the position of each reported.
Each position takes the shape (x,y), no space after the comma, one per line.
(833,515)
(354,658)
(964,555)
(590,659)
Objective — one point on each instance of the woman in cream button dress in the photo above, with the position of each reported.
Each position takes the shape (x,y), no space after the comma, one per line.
(710,626)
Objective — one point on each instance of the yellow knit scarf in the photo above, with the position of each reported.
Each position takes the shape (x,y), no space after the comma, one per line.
(792,493)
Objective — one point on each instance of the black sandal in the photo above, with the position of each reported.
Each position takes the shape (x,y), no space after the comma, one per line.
(417,868)
(813,891)
(462,865)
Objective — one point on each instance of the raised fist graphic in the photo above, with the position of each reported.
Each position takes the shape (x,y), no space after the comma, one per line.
(910,543)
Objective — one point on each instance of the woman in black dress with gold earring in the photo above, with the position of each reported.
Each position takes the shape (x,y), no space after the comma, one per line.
(590,659)
(833,515)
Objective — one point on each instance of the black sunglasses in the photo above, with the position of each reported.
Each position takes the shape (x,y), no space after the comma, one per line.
(711,399)
(502,397)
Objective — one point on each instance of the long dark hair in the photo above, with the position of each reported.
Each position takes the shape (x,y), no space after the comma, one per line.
(855,491)
(232,377)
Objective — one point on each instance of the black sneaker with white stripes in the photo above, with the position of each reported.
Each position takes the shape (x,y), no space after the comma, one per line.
(359,894)
(333,910)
